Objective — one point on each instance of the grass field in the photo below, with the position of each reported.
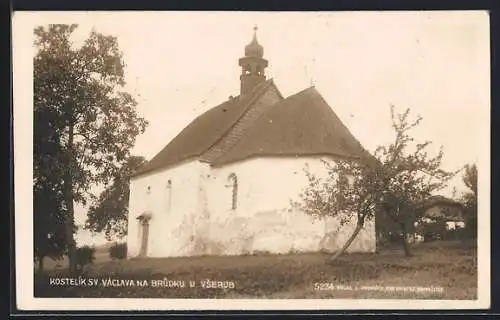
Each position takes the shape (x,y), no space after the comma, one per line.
(448,267)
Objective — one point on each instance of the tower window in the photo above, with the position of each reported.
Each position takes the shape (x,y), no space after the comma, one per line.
(148,190)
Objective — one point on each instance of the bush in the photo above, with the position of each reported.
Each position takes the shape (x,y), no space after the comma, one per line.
(84,256)
(118,251)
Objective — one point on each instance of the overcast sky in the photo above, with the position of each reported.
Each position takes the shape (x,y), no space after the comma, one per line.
(435,63)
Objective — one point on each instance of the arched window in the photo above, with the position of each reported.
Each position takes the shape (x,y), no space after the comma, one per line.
(234,185)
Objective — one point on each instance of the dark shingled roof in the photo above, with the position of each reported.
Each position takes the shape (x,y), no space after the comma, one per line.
(203,132)
(302,124)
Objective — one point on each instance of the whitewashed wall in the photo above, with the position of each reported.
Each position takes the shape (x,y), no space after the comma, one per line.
(264,219)
(172,224)
(201,220)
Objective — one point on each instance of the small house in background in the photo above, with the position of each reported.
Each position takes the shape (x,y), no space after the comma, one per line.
(443,219)
(439,207)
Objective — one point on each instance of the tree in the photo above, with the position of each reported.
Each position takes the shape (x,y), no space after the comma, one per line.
(95,120)
(109,213)
(84,255)
(48,201)
(409,178)
(392,183)
(469,200)
(470,178)
(350,191)
(49,234)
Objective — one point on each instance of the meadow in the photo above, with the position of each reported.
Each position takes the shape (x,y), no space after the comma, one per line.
(436,270)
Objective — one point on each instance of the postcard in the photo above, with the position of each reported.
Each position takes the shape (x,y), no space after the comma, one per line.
(251,160)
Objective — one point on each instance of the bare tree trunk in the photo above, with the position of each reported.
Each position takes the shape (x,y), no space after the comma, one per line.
(69,233)
(406,246)
(337,254)
(68,196)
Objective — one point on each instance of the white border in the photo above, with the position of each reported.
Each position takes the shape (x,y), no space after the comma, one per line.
(22,38)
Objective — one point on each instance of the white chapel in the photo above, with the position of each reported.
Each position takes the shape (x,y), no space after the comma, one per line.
(224,184)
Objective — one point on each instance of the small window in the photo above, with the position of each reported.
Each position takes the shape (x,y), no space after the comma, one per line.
(247,69)
(148,190)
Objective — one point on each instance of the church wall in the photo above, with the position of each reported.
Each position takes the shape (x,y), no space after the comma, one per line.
(264,219)
(195,215)
(173,209)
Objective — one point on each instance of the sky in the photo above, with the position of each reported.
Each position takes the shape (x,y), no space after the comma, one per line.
(180,64)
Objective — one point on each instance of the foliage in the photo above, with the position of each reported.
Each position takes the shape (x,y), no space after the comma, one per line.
(335,195)
(84,256)
(392,183)
(118,251)
(469,200)
(109,213)
(408,178)
(470,178)
(49,212)
(80,104)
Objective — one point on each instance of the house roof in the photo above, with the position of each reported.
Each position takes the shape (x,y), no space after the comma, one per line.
(441,201)
(302,124)
(450,209)
(203,132)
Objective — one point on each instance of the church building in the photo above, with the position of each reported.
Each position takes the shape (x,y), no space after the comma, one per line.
(224,185)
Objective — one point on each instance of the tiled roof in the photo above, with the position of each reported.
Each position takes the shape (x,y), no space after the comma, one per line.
(203,132)
(256,126)
(302,124)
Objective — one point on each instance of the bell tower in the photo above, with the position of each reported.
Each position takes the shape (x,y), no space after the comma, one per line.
(252,66)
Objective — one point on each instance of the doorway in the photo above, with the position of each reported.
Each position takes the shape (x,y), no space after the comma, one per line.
(143,234)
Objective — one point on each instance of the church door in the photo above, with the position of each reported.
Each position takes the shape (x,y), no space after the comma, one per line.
(144,238)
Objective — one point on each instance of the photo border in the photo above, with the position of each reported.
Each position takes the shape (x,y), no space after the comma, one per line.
(20,226)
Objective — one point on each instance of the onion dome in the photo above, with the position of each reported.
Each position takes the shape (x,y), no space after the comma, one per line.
(254,49)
